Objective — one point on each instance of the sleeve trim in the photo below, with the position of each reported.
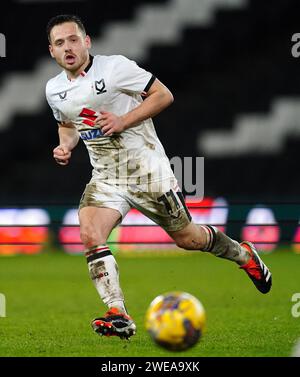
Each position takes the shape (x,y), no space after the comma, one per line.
(150,82)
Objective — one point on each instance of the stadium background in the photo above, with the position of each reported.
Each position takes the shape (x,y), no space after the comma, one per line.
(236,85)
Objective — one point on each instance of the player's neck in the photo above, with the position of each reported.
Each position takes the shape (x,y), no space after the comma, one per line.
(74,74)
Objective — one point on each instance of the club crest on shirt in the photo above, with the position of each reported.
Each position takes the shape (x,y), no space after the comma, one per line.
(100,86)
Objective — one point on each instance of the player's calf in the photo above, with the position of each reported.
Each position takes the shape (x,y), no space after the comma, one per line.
(223,246)
(243,254)
(210,239)
(104,273)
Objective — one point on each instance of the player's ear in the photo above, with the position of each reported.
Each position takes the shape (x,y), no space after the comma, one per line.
(88,41)
(51,51)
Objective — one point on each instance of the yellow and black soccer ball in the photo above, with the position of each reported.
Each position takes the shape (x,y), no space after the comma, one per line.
(176,320)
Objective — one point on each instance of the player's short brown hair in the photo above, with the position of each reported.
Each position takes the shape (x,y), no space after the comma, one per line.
(62,18)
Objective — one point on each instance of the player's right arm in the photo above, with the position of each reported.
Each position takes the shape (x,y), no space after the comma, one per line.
(68,139)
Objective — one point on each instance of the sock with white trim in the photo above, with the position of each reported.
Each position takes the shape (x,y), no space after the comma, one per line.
(223,246)
(104,273)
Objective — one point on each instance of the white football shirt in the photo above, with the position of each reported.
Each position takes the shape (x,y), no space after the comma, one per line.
(115,84)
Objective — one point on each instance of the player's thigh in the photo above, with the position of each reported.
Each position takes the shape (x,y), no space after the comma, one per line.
(167,209)
(101,208)
(96,223)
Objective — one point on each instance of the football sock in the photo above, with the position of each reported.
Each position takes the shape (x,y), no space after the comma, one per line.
(223,246)
(104,273)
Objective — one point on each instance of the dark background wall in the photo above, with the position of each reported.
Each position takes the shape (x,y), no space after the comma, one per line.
(240,63)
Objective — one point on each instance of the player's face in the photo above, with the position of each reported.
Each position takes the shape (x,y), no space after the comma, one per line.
(69,46)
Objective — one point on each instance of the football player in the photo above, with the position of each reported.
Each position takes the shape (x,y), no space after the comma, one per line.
(109,102)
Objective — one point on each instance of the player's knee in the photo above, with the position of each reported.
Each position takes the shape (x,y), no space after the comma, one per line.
(186,243)
(190,238)
(90,238)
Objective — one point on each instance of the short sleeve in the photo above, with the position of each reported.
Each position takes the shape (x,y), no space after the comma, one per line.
(128,76)
(58,115)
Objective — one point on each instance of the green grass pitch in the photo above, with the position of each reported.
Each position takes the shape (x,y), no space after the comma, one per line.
(50,302)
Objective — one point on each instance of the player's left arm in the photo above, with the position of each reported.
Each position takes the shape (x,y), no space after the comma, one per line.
(157,99)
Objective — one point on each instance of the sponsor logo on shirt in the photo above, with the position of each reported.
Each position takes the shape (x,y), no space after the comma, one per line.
(89,116)
(92,134)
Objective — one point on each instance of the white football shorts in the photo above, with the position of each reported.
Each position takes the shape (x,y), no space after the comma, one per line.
(163,202)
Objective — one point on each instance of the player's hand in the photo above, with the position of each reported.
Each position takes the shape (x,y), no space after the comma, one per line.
(62,155)
(109,123)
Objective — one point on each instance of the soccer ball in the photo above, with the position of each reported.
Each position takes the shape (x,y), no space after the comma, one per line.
(175,320)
